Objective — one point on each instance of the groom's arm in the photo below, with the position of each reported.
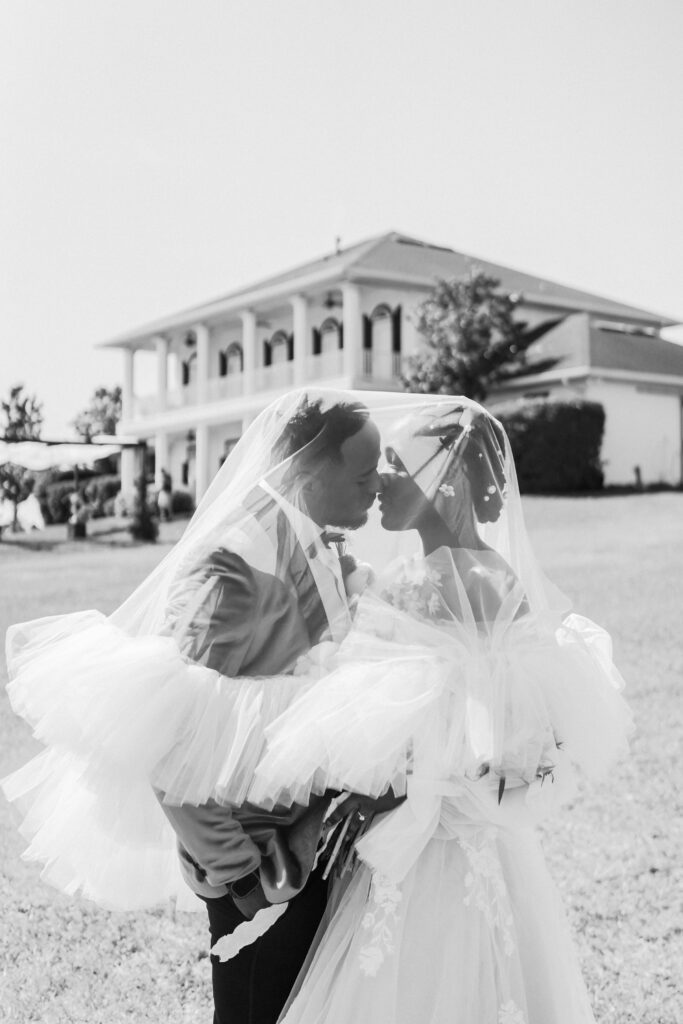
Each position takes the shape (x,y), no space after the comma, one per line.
(238,621)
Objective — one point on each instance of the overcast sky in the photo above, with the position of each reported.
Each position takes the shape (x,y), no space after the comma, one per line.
(156,153)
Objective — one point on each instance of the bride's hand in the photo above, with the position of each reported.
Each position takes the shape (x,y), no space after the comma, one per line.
(364,806)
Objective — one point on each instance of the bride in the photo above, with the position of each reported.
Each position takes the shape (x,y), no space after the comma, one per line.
(464,683)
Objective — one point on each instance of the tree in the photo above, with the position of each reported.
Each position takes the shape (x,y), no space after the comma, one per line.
(101,415)
(472,340)
(22,420)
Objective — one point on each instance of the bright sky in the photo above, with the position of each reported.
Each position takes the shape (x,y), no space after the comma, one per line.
(156,153)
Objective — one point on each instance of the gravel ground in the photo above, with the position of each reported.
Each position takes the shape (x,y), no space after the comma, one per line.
(614,854)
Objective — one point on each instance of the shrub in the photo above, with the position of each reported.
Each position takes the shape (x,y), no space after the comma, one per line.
(99,491)
(109,507)
(556,444)
(54,501)
(53,494)
(122,505)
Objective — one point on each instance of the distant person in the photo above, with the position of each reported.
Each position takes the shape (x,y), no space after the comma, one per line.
(165,497)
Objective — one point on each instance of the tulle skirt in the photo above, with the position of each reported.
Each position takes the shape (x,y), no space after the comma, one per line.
(475,934)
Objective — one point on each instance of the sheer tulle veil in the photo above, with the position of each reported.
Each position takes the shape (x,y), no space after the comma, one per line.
(121,707)
(252,461)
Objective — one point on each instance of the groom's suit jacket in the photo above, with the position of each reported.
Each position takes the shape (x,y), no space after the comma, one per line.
(251,607)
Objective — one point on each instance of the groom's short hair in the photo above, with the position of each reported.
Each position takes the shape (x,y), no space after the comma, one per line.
(319,433)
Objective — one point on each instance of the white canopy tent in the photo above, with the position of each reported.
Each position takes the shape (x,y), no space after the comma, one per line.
(38,455)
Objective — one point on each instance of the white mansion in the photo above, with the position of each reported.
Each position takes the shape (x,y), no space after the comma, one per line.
(344,321)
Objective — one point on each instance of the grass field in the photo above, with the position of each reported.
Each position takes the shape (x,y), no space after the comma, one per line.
(616,854)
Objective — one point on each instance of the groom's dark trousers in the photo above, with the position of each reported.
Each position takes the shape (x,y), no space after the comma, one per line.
(253,987)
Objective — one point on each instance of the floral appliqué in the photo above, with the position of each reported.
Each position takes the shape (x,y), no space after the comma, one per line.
(510,1013)
(486,890)
(448,490)
(379,921)
(415,590)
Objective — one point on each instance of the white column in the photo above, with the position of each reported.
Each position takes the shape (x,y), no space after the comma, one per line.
(128,471)
(201,333)
(161,345)
(160,457)
(202,471)
(353,335)
(128,391)
(301,347)
(249,352)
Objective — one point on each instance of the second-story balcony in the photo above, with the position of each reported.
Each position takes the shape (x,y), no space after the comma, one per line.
(325,366)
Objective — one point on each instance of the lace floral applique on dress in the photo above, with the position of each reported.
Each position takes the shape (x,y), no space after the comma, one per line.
(415,590)
(379,920)
(486,889)
(510,1013)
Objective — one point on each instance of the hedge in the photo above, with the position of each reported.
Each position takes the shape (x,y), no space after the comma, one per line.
(556,444)
(98,492)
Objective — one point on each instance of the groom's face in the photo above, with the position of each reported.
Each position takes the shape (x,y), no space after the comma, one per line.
(346,487)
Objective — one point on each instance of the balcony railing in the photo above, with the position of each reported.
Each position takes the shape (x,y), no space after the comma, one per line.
(230,386)
(186,395)
(381,365)
(279,375)
(327,364)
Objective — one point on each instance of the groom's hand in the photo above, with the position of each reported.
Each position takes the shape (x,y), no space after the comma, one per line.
(248,895)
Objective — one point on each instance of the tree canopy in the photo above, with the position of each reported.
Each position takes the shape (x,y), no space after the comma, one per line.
(472,340)
(22,416)
(22,420)
(101,415)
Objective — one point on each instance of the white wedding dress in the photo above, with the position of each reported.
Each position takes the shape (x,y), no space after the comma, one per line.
(451,916)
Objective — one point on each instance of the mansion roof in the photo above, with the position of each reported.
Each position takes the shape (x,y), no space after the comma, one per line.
(614,350)
(400,261)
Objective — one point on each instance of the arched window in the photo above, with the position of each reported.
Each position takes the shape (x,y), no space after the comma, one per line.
(188,369)
(331,335)
(231,360)
(382,341)
(281,348)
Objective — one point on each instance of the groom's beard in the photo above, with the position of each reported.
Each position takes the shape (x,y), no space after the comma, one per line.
(351,522)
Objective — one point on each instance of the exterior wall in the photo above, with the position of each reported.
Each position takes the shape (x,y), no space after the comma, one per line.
(178,454)
(217,439)
(641,429)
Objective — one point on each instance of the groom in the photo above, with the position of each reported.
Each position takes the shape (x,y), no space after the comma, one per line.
(257,622)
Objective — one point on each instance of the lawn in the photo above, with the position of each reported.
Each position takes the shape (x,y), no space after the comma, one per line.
(615,854)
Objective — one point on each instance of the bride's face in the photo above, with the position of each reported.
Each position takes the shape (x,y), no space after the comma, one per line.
(401,501)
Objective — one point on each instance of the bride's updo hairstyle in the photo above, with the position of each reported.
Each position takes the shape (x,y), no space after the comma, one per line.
(457,457)
(480,450)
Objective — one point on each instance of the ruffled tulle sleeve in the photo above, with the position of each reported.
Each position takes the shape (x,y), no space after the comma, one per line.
(138,707)
(402,693)
(126,722)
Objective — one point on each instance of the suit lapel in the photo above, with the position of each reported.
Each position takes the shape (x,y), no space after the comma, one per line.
(301,557)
